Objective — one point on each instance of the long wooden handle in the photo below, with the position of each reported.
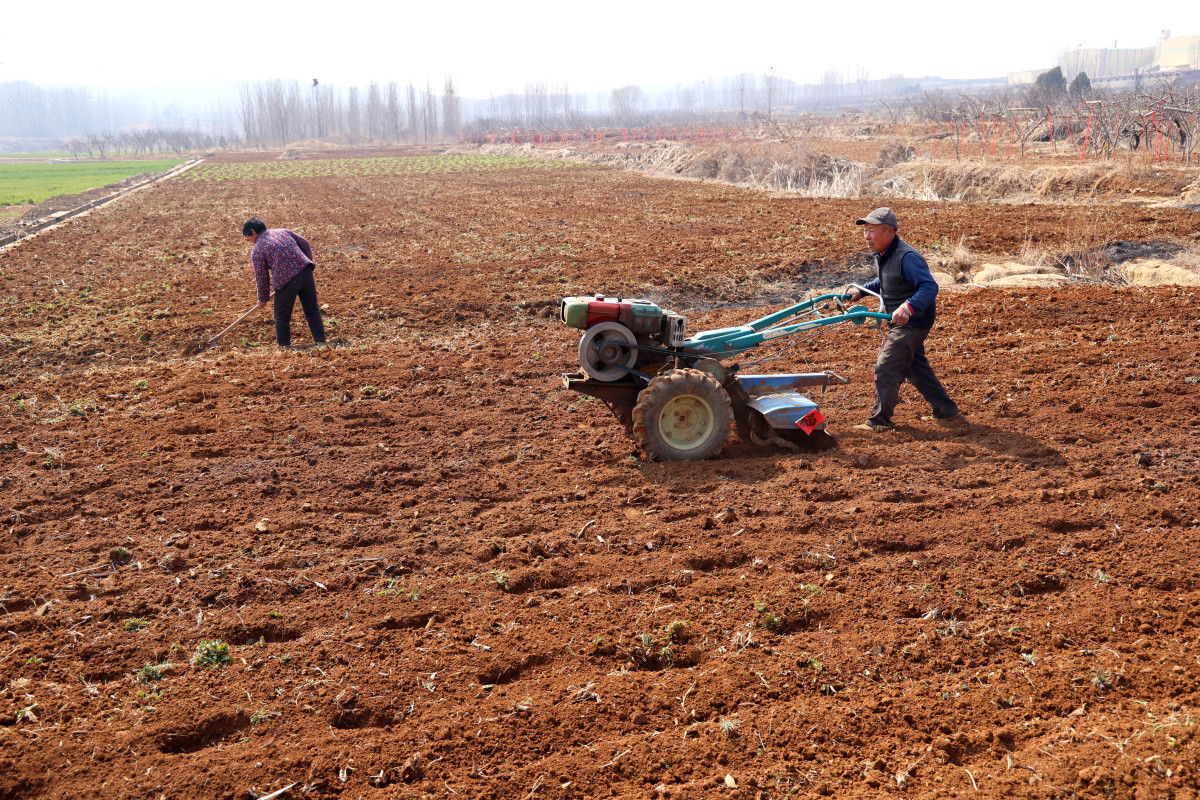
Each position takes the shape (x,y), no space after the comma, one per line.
(235,322)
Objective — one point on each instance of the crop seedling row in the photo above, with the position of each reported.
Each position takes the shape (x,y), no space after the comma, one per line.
(349,167)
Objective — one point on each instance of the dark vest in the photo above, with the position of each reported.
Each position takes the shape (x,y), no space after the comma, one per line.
(894,288)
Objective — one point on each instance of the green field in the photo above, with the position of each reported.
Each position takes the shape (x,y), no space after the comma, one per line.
(25,184)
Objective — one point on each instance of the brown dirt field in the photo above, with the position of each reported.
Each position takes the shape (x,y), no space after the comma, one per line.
(441,574)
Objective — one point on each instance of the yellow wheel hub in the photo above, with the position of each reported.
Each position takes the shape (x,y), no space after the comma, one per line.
(686,421)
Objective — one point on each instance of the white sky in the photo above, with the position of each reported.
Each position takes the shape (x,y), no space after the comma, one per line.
(502,45)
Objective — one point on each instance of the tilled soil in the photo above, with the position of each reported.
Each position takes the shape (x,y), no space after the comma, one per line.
(439,573)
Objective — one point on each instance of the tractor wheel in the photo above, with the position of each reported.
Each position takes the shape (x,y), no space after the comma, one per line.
(683,415)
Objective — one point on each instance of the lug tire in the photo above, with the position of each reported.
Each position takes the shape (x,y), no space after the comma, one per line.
(683,415)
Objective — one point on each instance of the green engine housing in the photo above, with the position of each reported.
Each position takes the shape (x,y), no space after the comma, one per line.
(642,317)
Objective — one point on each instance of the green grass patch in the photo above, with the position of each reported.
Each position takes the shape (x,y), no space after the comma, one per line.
(25,184)
(36,155)
(401,165)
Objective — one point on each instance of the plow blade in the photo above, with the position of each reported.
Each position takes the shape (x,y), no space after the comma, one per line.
(785,411)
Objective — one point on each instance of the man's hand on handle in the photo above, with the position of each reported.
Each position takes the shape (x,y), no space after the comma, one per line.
(902,314)
(262,304)
(899,317)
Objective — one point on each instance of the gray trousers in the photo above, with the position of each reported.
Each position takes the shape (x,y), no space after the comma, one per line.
(902,357)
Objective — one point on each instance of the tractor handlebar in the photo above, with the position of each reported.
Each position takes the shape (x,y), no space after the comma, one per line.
(805,316)
(863,292)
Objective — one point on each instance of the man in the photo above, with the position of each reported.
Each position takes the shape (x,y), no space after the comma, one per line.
(909,293)
(288,258)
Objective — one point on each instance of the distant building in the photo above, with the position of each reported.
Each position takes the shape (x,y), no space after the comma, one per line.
(1178,54)
(1171,54)
(1104,62)
(1026,77)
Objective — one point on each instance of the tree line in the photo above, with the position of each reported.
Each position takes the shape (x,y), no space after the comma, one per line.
(276,112)
(142,141)
(1163,114)
(273,113)
(28,110)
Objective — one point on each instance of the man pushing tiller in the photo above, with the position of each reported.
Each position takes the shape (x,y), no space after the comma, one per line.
(287,256)
(908,291)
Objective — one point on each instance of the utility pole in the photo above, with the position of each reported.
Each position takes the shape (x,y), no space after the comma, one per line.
(317,104)
(770,76)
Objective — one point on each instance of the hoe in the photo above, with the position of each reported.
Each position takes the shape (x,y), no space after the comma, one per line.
(676,395)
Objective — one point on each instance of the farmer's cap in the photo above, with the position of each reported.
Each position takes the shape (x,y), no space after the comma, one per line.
(880,216)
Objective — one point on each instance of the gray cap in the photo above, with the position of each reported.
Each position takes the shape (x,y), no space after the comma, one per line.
(880,216)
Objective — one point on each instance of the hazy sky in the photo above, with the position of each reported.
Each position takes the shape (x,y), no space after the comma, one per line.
(503,45)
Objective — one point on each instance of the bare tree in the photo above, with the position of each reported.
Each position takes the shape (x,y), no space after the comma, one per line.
(575,112)
(1112,120)
(148,140)
(536,105)
(830,83)
(626,104)
(374,112)
(894,108)
(414,113)
(562,105)
(686,101)
(124,142)
(100,141)
(1184,116)
(248,112)
(429,112)
(930,107)
(450,108)
(974,112)
(513,112)
(1025,122)
(893,84)
(178,140)
(770,83)
(316,110)
(393,113)
(274,103)
(353,116)
(76,146)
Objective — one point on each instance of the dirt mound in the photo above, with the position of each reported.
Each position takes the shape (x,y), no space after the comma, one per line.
(974,181)
(818,168)
(780,166)
(894,152)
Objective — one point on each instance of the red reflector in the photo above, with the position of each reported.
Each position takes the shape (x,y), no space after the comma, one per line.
(810,421)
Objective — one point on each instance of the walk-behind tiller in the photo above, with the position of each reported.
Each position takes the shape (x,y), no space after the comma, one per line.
(673,393)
